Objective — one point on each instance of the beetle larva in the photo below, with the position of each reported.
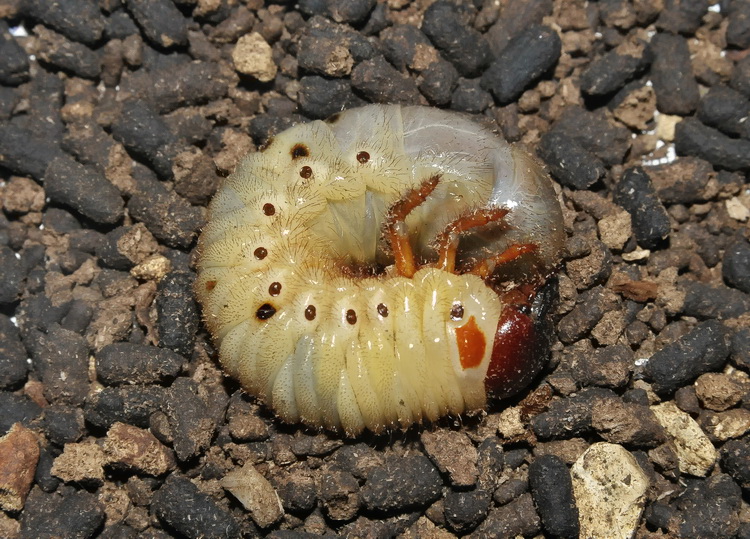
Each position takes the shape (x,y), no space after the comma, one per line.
(358,273)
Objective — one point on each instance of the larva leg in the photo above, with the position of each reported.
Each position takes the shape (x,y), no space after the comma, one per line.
(486,266)
(447,240)
(396,230)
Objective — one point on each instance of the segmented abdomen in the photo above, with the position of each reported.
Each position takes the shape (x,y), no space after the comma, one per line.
(297,284)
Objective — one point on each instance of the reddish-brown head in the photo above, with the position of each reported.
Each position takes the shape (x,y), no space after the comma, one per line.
(521,346)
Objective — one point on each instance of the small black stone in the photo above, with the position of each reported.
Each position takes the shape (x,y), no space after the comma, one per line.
(25,153)
(610,72)
(735,460)
(470,97)
(191,424)
(607,140)
(635,192)
(706,301)
(380,82)
(61,53)
(736,265)
(682,16)
(740,79)
(438,82)
(14,69)
(62,351)
(402,43)
(741,349)
(517,518)
(569,162)
(445,23)
(84,189)
(70,513)
(13,364)
(140,129)
(725,109)
(161,21)
(78,316)
(128,404)
(16,409)
(694,138)
(320,97)
(177,312)
(552,491)
(523,62)
(569,416)
(63,424)
(702,350)
(710,507)
(12,276)
(127,363)
(672,75)
(465,510)
(402,483)
(79,20)
(190,512)
(738,29)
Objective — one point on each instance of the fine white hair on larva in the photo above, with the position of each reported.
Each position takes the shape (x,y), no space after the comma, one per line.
(355,272)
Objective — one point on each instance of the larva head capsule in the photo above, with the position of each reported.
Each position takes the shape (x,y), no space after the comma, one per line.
(521,345)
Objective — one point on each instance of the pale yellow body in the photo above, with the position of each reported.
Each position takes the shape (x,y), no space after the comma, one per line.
(366,370)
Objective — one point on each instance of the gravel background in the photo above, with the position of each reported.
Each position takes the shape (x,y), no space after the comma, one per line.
(119,117)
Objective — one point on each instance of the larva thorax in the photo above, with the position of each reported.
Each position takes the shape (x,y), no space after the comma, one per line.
(330,269)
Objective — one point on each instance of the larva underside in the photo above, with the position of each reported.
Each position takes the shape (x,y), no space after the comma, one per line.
(304,268)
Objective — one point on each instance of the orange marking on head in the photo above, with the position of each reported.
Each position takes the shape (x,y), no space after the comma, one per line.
(471,344)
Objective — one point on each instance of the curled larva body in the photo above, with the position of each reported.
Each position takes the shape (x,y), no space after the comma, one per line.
(349,272)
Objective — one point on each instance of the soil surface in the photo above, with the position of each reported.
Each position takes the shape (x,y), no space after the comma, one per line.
(118,119)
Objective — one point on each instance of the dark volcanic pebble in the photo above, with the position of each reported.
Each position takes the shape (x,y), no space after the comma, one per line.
(127,404)
(84,189)
(465,510)
(79,20)
(738,29)
(402,483)
(403,44)
(470,97)
(58,51)
(694,138)
(62,424)
(741,349)
(177,312)
(16,409)
(637,195)
(161,21)
(61,359)
(13,365)
(705,301)
(320,97)
(70,513)
(14,69)
(569,162)
(127,363)
(672,75)
(682,16)
(190,512)
(191,425)
(710,508)
(735,460)
(569,416)
(445,23)
(142,131)
(438,82)
(351,11)
(11,276)
(526,58)
(517,518)
(725,109)
(702,350)
(168,216)
(610,72)
(736,265)
(25,153)
(596,133)
(552,491)
(380,82)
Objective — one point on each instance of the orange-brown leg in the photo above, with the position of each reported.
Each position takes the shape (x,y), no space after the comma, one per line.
(447,241)
(396,231)
(486,266)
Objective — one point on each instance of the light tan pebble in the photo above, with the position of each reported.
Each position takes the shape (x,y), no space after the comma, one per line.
(724,426)
(152,269)
(137,449)
(253,56)
(610,490)
(255,493)
(454,454)
(615,230)
(80,463)
(19,454)
(695,452)
(717,391)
